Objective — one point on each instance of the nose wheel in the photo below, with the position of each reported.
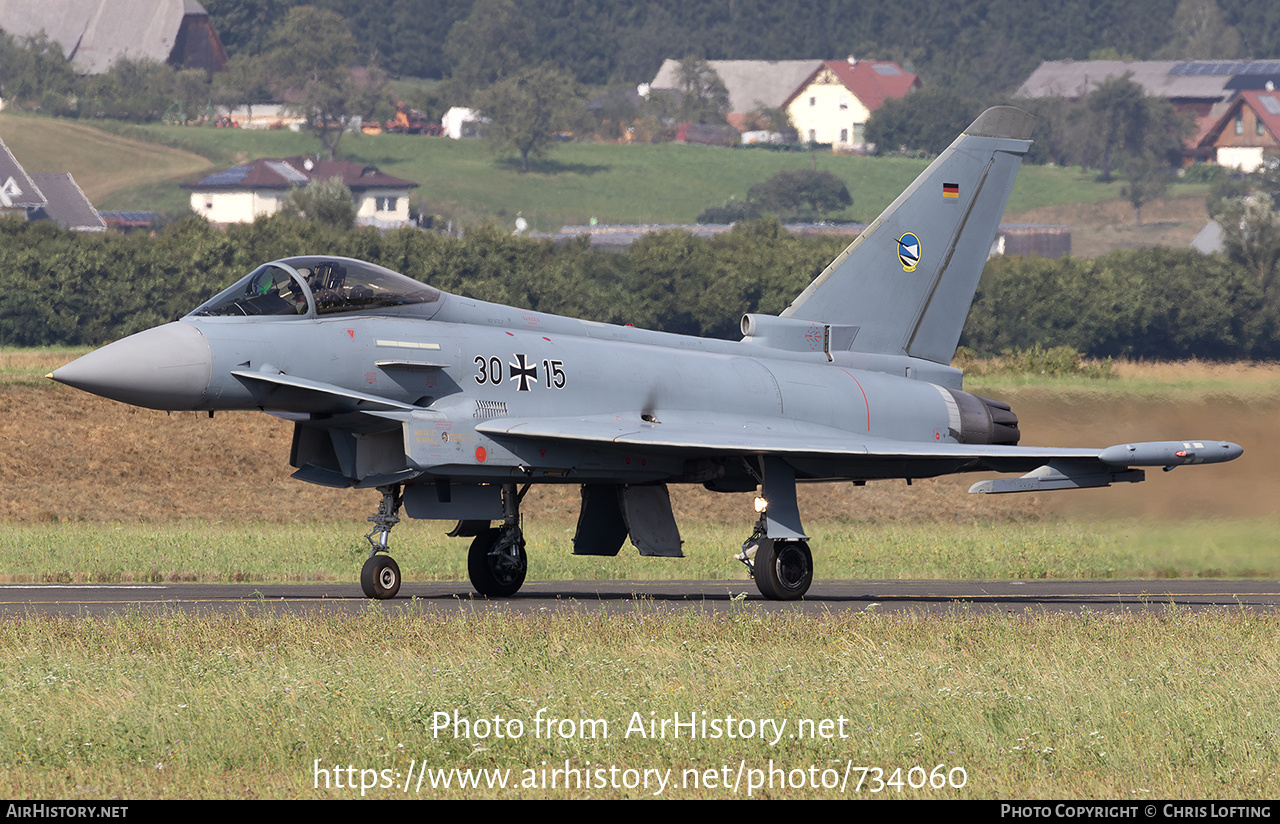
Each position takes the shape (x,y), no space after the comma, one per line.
(380,575)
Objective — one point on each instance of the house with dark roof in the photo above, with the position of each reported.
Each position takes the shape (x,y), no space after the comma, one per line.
(833,103)
(65,203)
(18,192)
(241,193)
(45,196)
(94,34)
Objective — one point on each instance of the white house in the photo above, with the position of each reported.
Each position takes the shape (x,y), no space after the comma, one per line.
(241,193)
(832,105)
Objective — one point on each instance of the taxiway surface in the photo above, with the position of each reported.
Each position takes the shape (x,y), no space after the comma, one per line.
(707,596)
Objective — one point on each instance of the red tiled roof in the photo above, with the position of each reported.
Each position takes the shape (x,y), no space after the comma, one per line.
(871,81)
(1265,104)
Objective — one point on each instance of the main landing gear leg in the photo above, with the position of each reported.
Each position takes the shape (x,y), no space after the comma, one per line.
(782,566)
(380,576)
(496,562)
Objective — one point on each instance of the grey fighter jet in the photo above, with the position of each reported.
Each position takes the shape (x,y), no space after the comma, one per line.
(452,407)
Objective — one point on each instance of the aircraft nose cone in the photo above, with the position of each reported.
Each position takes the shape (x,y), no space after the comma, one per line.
(163,368)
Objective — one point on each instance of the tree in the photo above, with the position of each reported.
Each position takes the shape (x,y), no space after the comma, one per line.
(327,202)
(526,110)
(1146,178)
(138,90)
(246,81)
(774,119)
(33,70)
(1122,121)
(1201,33)
(926,120)
(1264,179)
(312,60)
(1251,234)
(643,46)
(704,98)
(798,194)
(493,42)
(244,26)
(1225,187)
(1119,109)
(801,193)
(733,210)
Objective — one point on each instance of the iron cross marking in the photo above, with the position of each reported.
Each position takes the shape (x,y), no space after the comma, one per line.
(523,372)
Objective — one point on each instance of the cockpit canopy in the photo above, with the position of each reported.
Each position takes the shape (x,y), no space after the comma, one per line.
(303,286)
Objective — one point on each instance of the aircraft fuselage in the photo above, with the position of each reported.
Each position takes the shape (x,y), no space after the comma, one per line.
(473,362)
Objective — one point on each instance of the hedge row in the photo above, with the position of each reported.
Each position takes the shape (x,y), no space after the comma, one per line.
(59,287)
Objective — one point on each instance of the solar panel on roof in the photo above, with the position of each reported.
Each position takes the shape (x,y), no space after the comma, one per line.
(1231,67)
(1270,103)
(886,69)
(288,172)
(227,177)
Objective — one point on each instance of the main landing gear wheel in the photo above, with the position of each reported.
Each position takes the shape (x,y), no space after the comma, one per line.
(496,562)
(380,577)
(783,569)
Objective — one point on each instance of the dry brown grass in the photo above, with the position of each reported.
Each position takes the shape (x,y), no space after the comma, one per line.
(72,456)
(1097,228)
(1241,372)
(1247,487)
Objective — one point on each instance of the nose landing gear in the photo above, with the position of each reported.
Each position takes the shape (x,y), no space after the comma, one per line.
(380,576)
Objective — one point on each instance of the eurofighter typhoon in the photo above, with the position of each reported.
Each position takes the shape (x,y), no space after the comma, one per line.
(452,407)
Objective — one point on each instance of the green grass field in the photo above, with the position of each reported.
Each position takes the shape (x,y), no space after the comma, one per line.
(843,548)
(138,167)
(572,704)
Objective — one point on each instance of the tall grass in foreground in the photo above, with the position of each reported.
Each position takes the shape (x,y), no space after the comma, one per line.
(1174,705)
(334,551)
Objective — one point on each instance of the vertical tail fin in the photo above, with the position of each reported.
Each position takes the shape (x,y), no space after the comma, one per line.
(907,281)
